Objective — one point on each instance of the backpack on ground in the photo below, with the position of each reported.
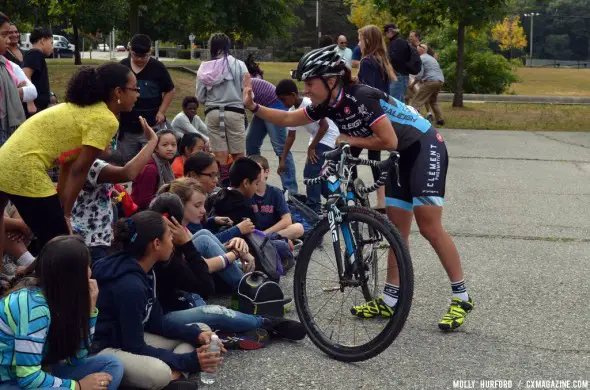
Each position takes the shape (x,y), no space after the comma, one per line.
(259,295)
(414,64)
(265,254)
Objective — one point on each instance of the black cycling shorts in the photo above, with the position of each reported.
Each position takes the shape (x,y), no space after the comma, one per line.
(422,174)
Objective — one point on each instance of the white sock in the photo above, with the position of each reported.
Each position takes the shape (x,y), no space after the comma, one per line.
(459,290)
(390,294)
(26,259)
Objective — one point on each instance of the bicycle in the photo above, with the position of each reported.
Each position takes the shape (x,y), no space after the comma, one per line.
(357,270)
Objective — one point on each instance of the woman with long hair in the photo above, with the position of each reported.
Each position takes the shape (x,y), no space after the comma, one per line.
(50,319)
(70,135)
(220,83)
(375,71)
(13,51)
(370,119)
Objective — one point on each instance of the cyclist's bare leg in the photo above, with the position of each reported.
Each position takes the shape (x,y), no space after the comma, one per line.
(402,219)
(429,220)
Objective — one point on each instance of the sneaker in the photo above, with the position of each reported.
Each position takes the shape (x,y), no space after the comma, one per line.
(250,340)
(375,308)
(429,117)
(287,304)
(440,123)
(181,384)
(284,328)
(456,314)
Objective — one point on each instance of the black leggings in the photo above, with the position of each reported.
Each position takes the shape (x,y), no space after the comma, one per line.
(374,155)
(44,216)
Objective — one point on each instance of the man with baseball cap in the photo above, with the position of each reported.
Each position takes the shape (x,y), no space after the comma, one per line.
(156,91)
(399,55)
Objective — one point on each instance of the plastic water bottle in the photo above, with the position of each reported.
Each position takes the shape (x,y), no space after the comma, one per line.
(208,378)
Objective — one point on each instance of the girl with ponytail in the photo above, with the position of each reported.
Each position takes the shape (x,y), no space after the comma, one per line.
(70,135)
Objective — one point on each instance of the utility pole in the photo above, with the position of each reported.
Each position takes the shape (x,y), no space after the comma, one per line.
(317,21)
(532,16)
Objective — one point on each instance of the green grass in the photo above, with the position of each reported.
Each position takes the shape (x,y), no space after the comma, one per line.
(552,82)
(494,116)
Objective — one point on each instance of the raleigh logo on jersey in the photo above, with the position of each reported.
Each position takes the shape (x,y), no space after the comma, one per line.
(347,110)
(439,137)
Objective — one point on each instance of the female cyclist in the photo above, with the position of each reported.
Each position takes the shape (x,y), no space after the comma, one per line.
(371,119)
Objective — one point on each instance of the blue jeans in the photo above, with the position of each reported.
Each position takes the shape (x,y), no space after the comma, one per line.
(397,89)
(311,171)
(209,246)
(217,317)
(257,131)
(92,365)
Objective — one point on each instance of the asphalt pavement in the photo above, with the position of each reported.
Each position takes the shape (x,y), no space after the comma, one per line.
(517,207)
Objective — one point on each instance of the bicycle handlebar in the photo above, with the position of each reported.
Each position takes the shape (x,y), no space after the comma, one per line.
(335,155)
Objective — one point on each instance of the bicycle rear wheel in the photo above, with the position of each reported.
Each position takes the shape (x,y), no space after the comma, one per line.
(323,304)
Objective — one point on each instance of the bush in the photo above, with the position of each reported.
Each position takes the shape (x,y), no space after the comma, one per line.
(184,54)
(483,71)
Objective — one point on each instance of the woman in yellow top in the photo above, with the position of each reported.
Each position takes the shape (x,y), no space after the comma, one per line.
(70,135)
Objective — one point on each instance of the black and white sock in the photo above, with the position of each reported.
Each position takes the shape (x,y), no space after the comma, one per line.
(390,294)
(459,290)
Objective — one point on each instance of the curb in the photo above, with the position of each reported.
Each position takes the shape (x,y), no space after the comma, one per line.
(485,98)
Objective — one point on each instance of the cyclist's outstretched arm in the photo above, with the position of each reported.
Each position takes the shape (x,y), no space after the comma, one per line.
(384,137)
(277,117)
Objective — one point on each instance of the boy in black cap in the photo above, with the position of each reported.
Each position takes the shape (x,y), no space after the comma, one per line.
(155,95)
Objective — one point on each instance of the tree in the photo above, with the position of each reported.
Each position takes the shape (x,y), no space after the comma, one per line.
(509,34)
(461,13)
(364,12)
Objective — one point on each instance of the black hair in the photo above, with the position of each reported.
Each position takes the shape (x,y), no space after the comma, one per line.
(62,274)
(140,43)
(91,85)
(416,33)
(4,19)
(38,34)
(326,40)
(286,87)
(261,160)
(198,162)
(168,203)
(134,234)
(188,100)
(219,44)
(242,169)
(253,67)
(188,141)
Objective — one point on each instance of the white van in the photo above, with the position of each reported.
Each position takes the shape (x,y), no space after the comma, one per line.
(64,40)
(25,43)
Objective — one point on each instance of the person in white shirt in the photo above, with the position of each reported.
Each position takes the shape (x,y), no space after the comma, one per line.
(188,121)
(343,50)
(322,138)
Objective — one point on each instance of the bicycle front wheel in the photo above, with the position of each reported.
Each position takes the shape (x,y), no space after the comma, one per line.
(324,300)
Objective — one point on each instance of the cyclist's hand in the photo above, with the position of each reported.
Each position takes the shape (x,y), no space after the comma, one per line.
(311,156)
(282,167)
(342,139)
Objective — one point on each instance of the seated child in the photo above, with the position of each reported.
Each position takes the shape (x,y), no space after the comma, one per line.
(157,172)
(269,205)
(190,144)
(188,120)
(129,309)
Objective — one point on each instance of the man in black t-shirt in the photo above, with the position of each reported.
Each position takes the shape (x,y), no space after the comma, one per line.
(35,68)
(399,55)
(155,95)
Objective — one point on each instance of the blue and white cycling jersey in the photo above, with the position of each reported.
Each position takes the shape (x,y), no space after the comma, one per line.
(358,107)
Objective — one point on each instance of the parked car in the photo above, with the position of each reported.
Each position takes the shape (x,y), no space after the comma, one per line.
(61,50)
(64,40)
(121,48)
(103,47)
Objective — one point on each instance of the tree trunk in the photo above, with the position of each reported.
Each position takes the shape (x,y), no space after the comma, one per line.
(77,58)
(458,98)
(133,17)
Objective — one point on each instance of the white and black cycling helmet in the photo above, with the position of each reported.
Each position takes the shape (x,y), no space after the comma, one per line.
(322,62)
